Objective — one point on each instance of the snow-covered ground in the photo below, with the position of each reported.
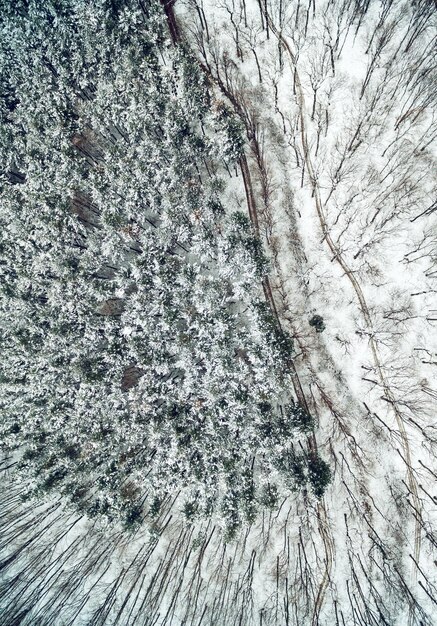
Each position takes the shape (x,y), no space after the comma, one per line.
(340,120)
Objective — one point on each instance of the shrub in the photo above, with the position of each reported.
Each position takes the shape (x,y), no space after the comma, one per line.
(317,322)
(319,475)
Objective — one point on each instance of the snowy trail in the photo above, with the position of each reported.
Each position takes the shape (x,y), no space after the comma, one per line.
(412,483)
(322,518)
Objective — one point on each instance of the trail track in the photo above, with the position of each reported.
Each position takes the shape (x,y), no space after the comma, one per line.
(322,519)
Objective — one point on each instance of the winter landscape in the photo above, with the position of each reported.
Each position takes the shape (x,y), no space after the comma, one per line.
(218,262)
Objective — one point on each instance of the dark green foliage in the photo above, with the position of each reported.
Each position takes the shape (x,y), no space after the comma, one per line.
(299,469)
(243,235)
(278,425)
(269,496)
(276,335)
(319,475)
(195,82)
(190,510)
(93,369)
(77,493)
(241,220)
(30,454)
(98,508)
(299,417)
(265,408)
(230,512)
(292,467)
(216,207)
(155,507)
(254,246)
(317,322)
(53,478)
(71,451)
(133,517)
(233,129)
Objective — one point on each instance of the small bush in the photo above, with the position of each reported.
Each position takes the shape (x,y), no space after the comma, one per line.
(319,475)
(133,517)
(317,322)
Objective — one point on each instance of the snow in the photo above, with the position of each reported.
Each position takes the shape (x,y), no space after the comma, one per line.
(307,562)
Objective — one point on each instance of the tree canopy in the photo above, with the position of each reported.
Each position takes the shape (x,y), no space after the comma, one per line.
(139,359)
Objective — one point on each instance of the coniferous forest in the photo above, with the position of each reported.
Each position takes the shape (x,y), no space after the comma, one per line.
(217,273)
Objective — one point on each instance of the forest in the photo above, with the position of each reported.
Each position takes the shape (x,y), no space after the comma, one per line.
(218,314)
